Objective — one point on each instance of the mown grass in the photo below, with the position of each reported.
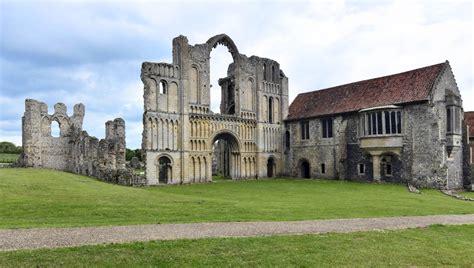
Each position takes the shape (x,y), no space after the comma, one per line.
(427,247)
(468,194)
(8,158)
(47,198)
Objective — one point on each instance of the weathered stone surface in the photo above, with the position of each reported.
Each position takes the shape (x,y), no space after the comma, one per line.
(74,150)
(424,154)
(179,128)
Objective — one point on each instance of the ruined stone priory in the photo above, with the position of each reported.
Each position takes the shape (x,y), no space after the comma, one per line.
(73,150)
(405,127)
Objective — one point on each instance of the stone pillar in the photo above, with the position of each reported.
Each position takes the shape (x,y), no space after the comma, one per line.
(376,167)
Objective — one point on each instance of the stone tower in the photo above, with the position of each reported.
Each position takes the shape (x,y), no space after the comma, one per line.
(180,132)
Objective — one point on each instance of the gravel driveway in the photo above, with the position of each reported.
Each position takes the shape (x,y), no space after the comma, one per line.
(13,239)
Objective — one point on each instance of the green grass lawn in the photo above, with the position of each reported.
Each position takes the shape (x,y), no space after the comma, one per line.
(45,198)
(433,246)
(468,194)
(8,158)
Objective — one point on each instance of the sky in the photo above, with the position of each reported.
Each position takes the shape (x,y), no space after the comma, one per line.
(91,52)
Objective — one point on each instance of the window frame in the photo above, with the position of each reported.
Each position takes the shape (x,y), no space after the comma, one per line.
(453,119)
(381,122)
(304,129)
(359,168)
(327,128)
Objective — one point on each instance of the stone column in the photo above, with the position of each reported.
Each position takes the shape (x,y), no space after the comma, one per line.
(376,167)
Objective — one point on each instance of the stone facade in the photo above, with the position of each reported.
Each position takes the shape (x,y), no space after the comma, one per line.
(468,143)
(421,151)
(74,150)
(182,137)
(402,128)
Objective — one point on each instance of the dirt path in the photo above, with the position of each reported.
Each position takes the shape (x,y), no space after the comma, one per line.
(13,239)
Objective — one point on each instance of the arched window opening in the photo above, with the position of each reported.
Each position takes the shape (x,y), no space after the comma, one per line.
(55,129)
(270,110)
(219,64)
(162,87)
(264,71)
(273,74)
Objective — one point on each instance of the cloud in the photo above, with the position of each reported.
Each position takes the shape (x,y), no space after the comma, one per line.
(91,52)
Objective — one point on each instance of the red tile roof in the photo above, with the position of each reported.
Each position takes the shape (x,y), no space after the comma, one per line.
(469,118)
(406,87)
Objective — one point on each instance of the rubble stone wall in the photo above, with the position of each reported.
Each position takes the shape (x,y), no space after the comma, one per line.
(74,150)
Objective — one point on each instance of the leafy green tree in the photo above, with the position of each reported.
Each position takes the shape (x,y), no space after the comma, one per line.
(7,147)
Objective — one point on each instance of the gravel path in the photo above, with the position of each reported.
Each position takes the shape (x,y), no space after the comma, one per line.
(13,239)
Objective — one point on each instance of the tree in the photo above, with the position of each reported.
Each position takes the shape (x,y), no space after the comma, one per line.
(7,147)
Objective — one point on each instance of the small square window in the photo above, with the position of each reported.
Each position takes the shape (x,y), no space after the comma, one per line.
(361,169)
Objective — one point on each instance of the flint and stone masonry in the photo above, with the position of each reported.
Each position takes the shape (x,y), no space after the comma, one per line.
(182,137)
(402,128)
(74,150)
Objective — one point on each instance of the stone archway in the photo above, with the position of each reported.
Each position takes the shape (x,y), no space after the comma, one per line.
(305,169)
(226,154)
(227,88)
(165,171)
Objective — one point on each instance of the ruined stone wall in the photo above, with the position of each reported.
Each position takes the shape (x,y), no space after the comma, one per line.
(180,128)
(74,150)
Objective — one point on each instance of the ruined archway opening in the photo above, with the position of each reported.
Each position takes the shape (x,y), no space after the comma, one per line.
(164,170)
(225,157)
(222,84)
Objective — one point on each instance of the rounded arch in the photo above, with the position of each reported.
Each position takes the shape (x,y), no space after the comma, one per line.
(226,135)
(271,167)
(157,159)
(162,87)
(223,39)
(305,168)
(164,163)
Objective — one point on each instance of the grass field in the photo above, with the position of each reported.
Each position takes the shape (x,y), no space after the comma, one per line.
(433,246)
(46,198)
(8,158)
(468,194)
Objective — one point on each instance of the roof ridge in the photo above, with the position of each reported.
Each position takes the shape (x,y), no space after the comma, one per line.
(380,77)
